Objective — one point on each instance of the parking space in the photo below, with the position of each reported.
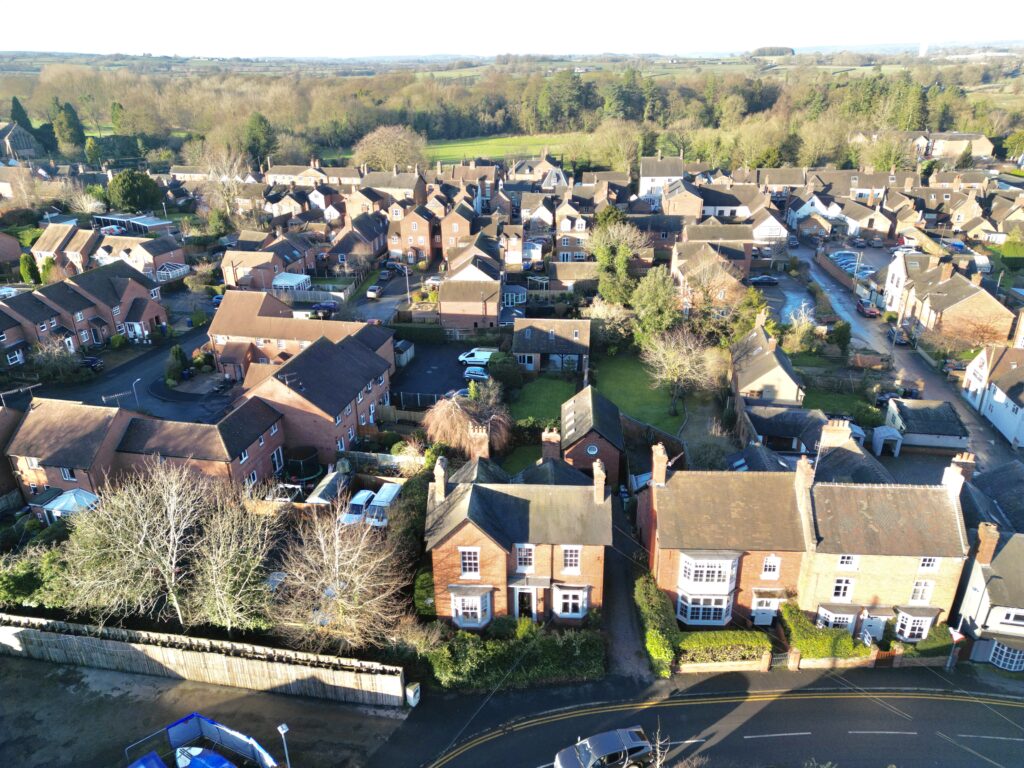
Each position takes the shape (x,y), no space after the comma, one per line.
(785,298)
(435,369)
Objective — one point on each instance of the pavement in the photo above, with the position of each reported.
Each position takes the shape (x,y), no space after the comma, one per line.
(907,717)
(53,715)
(990,448)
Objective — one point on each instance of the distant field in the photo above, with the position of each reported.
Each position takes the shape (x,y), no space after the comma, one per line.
(999,95)
(519,145)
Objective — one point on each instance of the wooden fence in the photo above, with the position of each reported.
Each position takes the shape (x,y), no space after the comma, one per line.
(215,662)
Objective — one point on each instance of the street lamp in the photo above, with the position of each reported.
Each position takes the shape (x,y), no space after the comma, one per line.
(135,392)
(283,729)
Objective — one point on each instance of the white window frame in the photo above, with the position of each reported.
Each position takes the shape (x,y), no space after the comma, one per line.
(261,441)
(33,462)
(481,604)
(921,594)
(928,564)
(525,558)
(243,456)
(252,479)
(908,626)
(827,618)
(79,317)
(68,473)
(115,310)
(771,567)
(693,571)
(466,557)
(842,590)
(1014,617)
(1007,658)
(703,610)
(340,443)
(573,594)
(572,552)
(16,355)
(848,563)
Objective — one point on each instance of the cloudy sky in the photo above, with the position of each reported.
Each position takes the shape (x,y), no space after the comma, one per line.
(347,29)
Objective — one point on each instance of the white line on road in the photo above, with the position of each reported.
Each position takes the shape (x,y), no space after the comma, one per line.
(776,735)
(996,738)
(889,733)
(687,741)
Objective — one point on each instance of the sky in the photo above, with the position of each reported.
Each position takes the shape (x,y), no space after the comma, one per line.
(345,29)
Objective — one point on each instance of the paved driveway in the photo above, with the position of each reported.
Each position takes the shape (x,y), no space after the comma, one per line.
(384,308)
(434,370)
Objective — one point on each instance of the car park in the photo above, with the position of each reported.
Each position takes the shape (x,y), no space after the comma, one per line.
(375,291)
(622,748)
(763,280)
(898,336)
(868,310)
(477,356)
(476,373)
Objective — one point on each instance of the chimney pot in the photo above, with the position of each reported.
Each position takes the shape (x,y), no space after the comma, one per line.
(988,540)
(599,480)
(967,464)
(834,434)
(440,479)
(953,480)
(976,278)
(659,465)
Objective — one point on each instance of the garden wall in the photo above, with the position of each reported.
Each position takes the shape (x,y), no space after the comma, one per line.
(216,662)
(757,665)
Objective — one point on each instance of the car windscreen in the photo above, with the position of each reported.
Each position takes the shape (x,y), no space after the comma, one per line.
(587,757)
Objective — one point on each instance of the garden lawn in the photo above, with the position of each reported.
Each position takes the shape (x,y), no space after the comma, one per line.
(624,380)
(542,399)
(26,235)
(456,150)
(811,360)
(521,458)
(855,406)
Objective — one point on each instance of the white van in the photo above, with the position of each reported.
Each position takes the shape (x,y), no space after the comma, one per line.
(356,511)
(377,511)
(477,356)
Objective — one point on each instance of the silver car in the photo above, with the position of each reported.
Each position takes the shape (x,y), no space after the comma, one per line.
(624,748)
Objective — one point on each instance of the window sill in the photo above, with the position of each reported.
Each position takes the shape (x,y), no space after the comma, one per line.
(570,571)
(470,577)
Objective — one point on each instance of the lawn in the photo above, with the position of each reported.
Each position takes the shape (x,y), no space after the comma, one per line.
(542,399)
(454,150)
(26,235)
(811,360)
(624,380)
(853,405)
(521,458)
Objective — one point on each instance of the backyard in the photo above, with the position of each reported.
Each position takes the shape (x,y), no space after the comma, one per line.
(624,380)
(520,458)
(846,404)
(542,399)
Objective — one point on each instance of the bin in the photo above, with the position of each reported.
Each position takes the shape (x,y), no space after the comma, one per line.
(412,694)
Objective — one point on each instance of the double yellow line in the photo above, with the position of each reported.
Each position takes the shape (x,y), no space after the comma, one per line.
(555,717)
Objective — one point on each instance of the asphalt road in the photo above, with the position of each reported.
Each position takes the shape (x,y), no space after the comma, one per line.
(394,294)
(988,445)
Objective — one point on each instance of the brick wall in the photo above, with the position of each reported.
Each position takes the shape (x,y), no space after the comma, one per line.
(576,455)
(447,568)
(748,577)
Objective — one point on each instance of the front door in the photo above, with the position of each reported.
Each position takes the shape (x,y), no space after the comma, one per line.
(764,611)
(873,626)
(96,339)
(525,599)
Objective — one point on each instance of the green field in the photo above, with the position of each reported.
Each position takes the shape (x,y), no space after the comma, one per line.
(518,145)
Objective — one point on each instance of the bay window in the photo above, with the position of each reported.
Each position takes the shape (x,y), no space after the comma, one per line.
(570,602)
(471,610)
(704,609)
(1005,657)
(912,628)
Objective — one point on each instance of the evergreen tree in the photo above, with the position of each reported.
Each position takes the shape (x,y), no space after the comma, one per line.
(116,116)
(46,137)
(966,159)
(68,128)
(93,154)
(19,115)
(29,270)
(133,191)
(260,138)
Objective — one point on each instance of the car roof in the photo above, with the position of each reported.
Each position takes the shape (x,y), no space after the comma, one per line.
(363,497)
(387,493)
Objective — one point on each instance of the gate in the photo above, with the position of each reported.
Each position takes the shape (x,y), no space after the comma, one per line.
(780,660)
(414,401)
(885,658)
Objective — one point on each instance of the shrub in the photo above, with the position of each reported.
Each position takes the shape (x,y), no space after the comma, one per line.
(661,632)
(890,317)
(419,333)
(423,594)
(172,383)
(505,370)
(52,534)
(727,645)
(936,644)
(503,628)
(198,318)
(533,656)
(867,415)
(118,340)
(818,642)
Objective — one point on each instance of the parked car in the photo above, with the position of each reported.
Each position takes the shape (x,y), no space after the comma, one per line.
(954,365)
(763,280)
(325,306)
(434,281)
(355,512)
(217,300)
(477,356)
(868,310)
(625,747)
(882,401)
(456,393)
(793,241)
(92,363)
(898,336)
(858,242)
(476,373)
(377,510)
(395,266)
(877,242)
(375,291)
(385,276)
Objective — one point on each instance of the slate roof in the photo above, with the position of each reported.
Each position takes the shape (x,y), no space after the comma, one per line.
(1006,371)
(552,472)
(62,433)
(890,520)
(1004,486)
(662,166)
(479,471)
(729,511)
(223,441)
(775,421)
(850,463)
(31,308)
(512,513)
(756,458)
(551,337)
(54,236)
(714,232)
(930,417)
(108,283)
(589,410)
(1004,577)
(753,357)
(64,296)
(470,291)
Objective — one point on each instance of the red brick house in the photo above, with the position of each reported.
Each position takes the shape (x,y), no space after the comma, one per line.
(592,431)
(466,305)
(504,548)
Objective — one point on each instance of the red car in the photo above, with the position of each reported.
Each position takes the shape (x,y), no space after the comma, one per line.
(868,310)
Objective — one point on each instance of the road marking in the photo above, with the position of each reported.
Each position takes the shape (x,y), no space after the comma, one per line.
(687,741)
(776,735)
(889,733)
(996,738)
(955,743)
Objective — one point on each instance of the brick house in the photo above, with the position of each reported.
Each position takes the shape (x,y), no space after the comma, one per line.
(763,373)
(256,270)
(457,227)
(327,394)
(146,255)
(398,185)
(414,236)
(529,550)
(246,446)
(66,445)
(591,432)
(723,546)
(551,345)
(465,305)
(572,231)
(252,326)
(710,275)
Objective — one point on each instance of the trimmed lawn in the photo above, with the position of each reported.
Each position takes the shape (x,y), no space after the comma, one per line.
(521,458)
(808,360)
(26,235)
(624,380)
(455,150)
(855,406)
(542,399)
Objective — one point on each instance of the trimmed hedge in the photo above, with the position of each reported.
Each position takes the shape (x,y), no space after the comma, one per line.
(531,656)
(936,644)
(661,632)
(817,642)
(726,645)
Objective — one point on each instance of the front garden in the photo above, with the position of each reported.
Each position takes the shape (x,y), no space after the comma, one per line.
(815,642)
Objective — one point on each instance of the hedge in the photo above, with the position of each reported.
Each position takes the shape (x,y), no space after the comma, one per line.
(661,632)
(419,332)
(531,656)
(818,642)
(936,644)
(726,645)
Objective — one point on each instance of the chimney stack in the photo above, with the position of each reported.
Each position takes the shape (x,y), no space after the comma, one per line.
(933,262)
(953,480)
(440,479)
(659,465)
(804,477)
(480,442)
(438,167)
(551,444)
(599,480)
(967,464)
(976,278)
(988,540)
(947,271)
(834,434)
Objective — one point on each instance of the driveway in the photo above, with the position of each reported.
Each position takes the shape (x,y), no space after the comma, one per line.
(116,385)
(990,448)
(626,655)
(384,308)
(435,369)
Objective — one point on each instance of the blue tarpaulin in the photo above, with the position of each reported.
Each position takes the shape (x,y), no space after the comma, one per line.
(151,760)
(206,758)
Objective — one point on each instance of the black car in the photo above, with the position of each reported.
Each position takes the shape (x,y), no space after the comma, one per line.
(763,280)
(793,241)
(92,363)
(624,748)
(898,336)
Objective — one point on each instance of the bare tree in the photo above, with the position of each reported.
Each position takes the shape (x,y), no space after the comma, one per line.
(679,360)
(617,143)
(342,586)
(225,167)
(617,237)
(52,359)
(131,553)
(613,323)
(230,588)
(388,146)
(800,336)
(449,420)
(80,201)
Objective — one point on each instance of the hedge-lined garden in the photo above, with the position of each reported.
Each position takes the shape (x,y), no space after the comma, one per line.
(936,644)
(724,645)
(818,642)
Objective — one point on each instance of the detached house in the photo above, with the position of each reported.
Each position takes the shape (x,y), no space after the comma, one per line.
(551,345)
(762,372)
(592,433)
(525,549)
(655,174)
(992,605)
